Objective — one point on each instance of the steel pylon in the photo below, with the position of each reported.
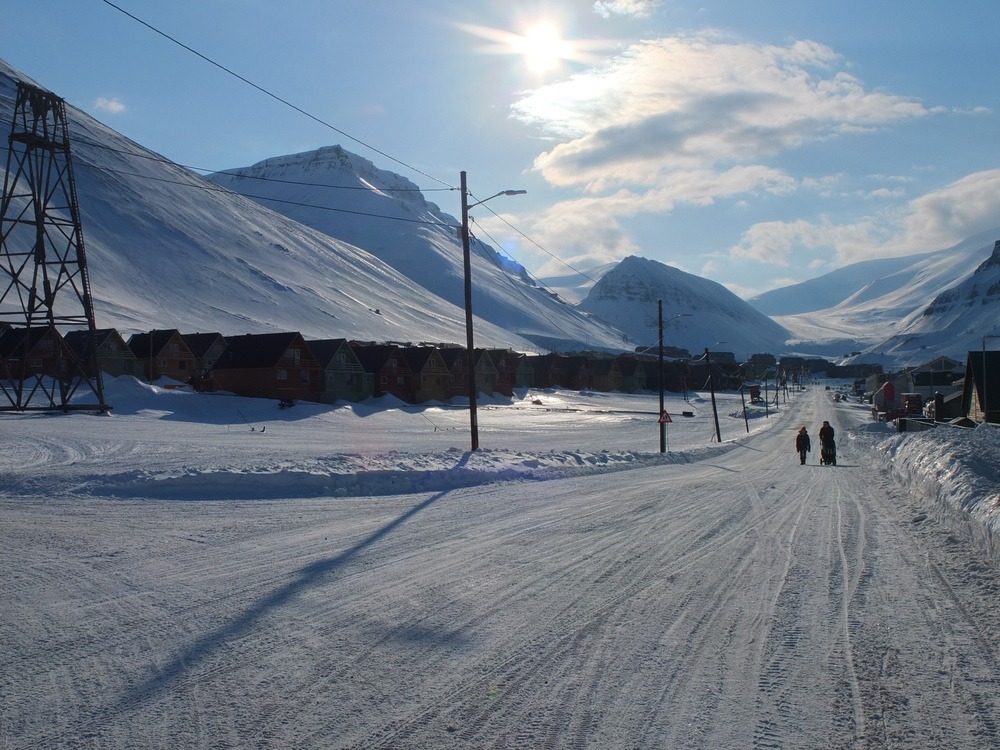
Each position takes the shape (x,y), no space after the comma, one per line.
(41,256)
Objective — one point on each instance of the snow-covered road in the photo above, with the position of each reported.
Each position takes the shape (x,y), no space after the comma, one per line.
(735,601)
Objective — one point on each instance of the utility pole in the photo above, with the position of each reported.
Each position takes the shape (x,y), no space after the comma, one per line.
(663,426)
(471,352)
(42,254)
(467,260)
(711,387)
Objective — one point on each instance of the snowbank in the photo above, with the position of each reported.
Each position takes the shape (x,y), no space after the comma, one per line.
(958,468)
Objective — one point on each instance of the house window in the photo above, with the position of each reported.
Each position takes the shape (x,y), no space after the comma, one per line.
(281,374)
(304,376)
(294,354)
(161,363)
(182,365)
(341,359)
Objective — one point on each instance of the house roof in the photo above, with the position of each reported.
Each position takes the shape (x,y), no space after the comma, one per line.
(200,343)
(145,345)
(939,364)
(77,340)
(417,357)
(602,366)
(22,339)
(628,366)
(325,350)
(256,350)
(374,358)
(451,355)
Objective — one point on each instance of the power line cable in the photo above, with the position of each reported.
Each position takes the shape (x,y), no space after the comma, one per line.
(536,244)
(274,96)
(213,188)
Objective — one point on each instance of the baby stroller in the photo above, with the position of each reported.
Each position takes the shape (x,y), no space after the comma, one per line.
(828,454)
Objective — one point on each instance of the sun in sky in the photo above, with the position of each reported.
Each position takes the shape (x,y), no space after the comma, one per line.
(541,45)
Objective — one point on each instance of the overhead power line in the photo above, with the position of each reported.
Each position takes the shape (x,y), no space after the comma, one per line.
(274,96)
(335,129)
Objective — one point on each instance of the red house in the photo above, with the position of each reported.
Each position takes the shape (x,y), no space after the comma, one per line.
(269,365)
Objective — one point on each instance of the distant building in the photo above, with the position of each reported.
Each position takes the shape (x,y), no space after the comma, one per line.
(981,391)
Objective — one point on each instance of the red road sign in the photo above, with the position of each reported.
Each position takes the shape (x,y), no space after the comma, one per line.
(665,418)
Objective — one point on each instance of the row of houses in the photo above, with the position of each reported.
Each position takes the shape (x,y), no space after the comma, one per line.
(969,391)
(287,367)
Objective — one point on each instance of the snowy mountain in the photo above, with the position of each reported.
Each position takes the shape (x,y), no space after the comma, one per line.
(956,320)
(575,286)
(347,197)
(874,306)
(697,312)
(167,248)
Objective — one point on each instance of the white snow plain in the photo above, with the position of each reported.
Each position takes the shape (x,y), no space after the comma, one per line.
(207,571)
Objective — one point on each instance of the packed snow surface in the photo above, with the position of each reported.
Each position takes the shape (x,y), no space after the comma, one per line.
(206,571)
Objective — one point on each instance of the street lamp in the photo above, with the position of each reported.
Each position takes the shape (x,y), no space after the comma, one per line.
(663,425)
(466,256)
(711,387)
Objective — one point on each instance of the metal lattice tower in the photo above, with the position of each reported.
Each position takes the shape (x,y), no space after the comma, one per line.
(42,256)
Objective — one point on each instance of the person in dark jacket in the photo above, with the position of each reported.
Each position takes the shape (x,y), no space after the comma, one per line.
(826,435)
(828,451)
(802,444)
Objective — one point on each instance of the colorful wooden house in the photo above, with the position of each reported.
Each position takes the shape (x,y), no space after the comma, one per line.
(163,354)
(34,353)
(390,372)
(456,360)
(507,363)
(633,374)
(206,347)
(486,373)
(577,374)
(549,370)
(112,355)
(269,365)
(430,373)
(605,374)
(344,377)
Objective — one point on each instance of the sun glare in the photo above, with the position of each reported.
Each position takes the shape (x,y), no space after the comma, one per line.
(542,47)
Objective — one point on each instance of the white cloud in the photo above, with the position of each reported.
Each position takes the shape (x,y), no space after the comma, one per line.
(589,229)
(933,221)
(113,106)
(694,102)
(606,8)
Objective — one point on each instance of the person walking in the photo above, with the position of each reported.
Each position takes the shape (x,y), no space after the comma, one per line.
(828,449)
(802,444)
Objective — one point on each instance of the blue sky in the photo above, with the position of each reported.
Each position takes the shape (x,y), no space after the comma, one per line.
(756,144)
